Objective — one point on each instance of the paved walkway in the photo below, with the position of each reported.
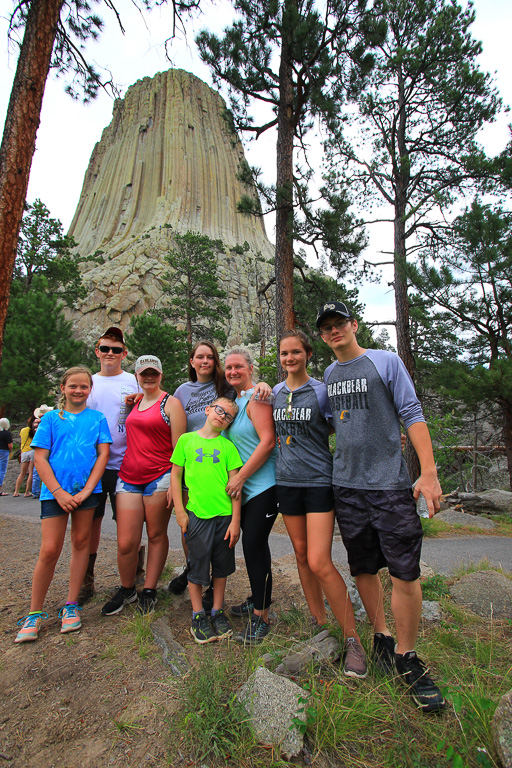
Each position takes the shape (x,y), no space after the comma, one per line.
(443,555)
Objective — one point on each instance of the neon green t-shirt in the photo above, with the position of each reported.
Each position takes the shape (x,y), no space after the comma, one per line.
(207,463)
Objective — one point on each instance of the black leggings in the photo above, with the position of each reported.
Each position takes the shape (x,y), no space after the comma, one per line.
(258,517)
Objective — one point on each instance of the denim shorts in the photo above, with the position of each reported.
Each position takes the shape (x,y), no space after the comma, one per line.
(160,484)
(51,507)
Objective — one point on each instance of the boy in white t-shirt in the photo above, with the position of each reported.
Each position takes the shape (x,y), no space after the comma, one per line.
(110,387)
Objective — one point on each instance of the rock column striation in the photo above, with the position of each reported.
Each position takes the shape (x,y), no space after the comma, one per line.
(168,163)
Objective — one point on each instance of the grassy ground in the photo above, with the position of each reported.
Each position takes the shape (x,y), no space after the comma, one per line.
(367,723)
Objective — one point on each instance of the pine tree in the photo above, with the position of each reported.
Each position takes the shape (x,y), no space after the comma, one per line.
(192,288)
(419,111)
(291,56)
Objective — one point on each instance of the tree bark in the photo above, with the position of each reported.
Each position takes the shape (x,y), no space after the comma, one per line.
(403,331)
(285,316)
(19,138)
(506,410)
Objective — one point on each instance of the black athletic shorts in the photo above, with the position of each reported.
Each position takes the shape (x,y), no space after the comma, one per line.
(303,500)
(206,544)
(108,488)
(379,529)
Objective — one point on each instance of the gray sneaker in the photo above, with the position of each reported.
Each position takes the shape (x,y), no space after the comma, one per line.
(354,664)
(221,625)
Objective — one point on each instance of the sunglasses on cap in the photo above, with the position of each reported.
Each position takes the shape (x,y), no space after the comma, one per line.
(115,350)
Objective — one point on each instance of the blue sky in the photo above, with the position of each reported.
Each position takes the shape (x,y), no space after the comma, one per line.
(69,130)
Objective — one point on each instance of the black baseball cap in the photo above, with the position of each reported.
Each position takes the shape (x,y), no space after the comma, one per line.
(332,308)
(114,332)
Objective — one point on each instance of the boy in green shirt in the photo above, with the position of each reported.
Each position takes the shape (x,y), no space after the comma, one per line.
(211,521)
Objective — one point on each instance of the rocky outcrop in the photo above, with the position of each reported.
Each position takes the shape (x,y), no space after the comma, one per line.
(167,163)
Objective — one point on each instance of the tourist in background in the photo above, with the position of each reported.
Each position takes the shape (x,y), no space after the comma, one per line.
(304,491)
(26,458)
(5,450)
(253,433)
(152,431)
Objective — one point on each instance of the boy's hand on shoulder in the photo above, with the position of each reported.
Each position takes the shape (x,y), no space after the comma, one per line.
(233,534)
(133,399)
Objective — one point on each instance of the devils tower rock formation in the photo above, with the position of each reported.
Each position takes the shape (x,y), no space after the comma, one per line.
(168,162)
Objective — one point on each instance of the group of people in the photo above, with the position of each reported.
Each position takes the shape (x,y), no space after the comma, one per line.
(229,455)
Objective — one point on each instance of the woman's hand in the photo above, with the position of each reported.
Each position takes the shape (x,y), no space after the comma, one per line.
(234,486)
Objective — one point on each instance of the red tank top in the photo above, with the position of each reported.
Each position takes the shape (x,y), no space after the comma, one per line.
(148,445)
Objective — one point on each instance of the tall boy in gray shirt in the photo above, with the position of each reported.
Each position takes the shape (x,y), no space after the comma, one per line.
(369,392)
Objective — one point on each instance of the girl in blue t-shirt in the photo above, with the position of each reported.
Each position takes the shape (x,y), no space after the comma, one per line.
(71,452)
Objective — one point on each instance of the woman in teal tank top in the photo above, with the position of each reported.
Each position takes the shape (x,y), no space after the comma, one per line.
(253,433)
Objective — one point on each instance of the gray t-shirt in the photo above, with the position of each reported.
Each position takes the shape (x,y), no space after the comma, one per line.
(368,396)
(304,458)
(194,397)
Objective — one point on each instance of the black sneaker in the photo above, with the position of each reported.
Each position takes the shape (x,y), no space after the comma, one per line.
(147,600)
(208,600)
(421,688)
(178,585)
(383,653)
(123,596)
(221,625)
(201,629)
(255,632)
(244,609)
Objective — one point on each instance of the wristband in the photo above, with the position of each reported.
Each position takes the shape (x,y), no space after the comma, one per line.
(57,489)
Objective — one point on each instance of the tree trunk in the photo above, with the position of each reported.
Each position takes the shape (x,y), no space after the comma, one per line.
(403,332)
(285,317)
(506,410)
(19,138)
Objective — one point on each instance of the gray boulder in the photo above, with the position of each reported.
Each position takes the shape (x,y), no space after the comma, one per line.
(273,703)
(431,611)
(487,593)
(492,502)
(501,727)
(454,517)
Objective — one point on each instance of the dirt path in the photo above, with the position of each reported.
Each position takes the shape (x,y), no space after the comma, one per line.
(98,697)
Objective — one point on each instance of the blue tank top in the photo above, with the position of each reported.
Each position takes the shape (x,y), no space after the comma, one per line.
(245,437)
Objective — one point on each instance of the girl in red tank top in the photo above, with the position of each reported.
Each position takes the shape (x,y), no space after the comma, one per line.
(152,431)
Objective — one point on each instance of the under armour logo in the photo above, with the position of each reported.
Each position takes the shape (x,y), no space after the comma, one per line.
(201,455)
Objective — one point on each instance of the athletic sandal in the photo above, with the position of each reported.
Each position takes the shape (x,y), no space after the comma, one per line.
(31,626)
(70,618)
(383,653)
(201,629)
(221,625)
(354,664)
(421,688)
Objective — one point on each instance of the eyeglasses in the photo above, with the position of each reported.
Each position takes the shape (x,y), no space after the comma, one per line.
(225,415)
(326,330)
(288,409)
(115,350)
